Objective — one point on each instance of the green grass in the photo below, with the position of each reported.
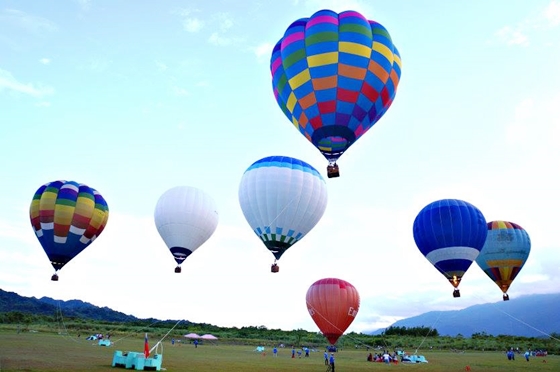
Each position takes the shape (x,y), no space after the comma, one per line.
(44,351)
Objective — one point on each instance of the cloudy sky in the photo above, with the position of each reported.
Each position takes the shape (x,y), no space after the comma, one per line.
(133,98)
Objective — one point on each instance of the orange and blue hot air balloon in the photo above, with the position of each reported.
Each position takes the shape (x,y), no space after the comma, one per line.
(67,217)
(334,76)
(505,252)
(450,233)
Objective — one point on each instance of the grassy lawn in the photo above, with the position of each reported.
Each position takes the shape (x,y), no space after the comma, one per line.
(52,352)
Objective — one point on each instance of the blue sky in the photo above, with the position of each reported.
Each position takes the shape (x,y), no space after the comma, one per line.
(133,98)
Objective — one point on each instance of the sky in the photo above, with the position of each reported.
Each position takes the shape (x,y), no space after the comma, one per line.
(133,98)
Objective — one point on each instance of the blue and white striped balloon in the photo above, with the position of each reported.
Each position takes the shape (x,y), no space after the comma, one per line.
(450,233)
(282,198)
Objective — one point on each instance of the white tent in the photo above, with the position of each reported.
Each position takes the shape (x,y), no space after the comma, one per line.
(209,337)
(192,336)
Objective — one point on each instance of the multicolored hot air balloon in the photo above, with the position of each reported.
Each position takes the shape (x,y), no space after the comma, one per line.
(505,252)
(282,199)
(67,217)
(333,304)
(185,217)
(334,76)
(450,233)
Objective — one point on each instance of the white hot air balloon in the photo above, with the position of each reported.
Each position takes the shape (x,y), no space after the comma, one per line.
(185,218)
(282,199)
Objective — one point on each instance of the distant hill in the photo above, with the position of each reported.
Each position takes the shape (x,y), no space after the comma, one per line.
(527,316)
(10,301)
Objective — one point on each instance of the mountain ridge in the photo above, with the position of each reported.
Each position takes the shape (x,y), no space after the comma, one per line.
(528,316)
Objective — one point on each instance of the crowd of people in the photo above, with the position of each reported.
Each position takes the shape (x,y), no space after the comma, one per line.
(528,354)
(384,357)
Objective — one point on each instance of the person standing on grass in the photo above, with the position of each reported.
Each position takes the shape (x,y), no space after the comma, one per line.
(326,358)
(331,361)
(275,351)
(527,354)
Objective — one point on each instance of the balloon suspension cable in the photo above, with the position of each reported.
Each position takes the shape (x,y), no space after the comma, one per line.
(60,321)
(433,326)
(281,212)
(495,305)
(159,344)
(133,333)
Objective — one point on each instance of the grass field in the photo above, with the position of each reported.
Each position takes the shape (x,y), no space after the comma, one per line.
(52,352)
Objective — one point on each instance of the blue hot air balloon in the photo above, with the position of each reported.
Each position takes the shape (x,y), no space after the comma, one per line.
(450,233)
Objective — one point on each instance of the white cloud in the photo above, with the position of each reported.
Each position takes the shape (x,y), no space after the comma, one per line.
(224,20)
(28,22)
(45,61)
(263,51)
(161,66)
(511,36)
(180,91)
(516,133)
(10,83)
(536,125)
(85,4)
(192,25)
(224,24)
(97,65)
(339,6)
(219,40)
(552,13)
(519,34)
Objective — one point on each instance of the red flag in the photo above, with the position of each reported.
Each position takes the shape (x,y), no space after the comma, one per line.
(146,346)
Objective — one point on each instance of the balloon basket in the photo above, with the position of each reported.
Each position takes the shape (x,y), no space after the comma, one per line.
(274,268)
(456,293)
(178,269)
(54,278)
(506,297)
(332,171)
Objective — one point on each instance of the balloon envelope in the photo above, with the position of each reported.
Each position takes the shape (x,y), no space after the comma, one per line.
(450,233)
(67,217)
(185,217)
(282,199)
(334,76)
(333,305)
(504,253)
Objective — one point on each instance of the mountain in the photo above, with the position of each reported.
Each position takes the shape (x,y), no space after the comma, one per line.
(528,316)
(10,301)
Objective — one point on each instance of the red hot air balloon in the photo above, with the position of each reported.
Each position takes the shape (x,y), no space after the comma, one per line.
(333,304)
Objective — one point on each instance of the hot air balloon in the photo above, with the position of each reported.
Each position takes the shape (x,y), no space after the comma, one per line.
(450,233)
(185,217)
(333,304)
(334,76)
(67,217)
(503,255)
(282,199)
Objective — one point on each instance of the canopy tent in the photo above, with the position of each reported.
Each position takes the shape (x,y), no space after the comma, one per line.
(209,337)
(192,336)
